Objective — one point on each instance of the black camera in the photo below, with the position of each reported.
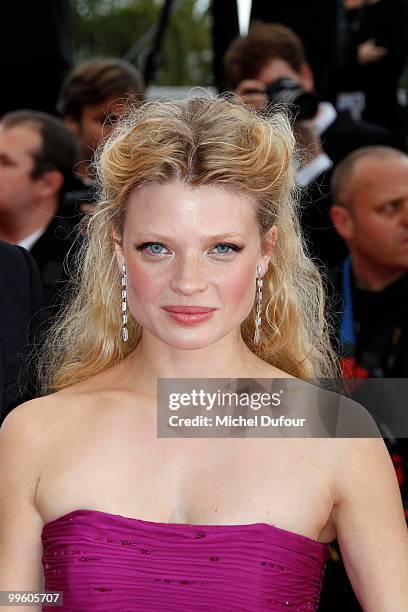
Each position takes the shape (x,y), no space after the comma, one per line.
(302,104)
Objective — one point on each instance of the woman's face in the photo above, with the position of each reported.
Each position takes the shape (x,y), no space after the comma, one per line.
(198,248)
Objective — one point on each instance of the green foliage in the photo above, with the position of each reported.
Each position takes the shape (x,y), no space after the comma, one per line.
(112,28)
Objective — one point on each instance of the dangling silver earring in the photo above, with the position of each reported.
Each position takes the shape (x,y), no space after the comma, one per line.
(125,334)
(258,317)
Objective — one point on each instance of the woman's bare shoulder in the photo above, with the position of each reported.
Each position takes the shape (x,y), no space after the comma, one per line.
(358,452)
(263,369)
(75,398)
(40,414)
(356,461)
(56,408)
(26,434)
(277,373)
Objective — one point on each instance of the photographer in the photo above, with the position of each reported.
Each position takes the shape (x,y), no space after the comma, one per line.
(269,65)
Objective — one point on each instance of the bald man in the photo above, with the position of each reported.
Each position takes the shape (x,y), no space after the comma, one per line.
(370,298)
(370,212)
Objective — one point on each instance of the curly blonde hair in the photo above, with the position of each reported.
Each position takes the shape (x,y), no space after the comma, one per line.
(199,141)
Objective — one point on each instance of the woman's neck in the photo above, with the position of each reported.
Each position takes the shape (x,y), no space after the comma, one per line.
(153,359)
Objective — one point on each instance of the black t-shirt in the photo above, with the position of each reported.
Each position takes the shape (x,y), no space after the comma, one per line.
(378,318)
(380,325)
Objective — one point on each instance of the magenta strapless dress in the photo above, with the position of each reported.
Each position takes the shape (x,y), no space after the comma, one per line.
(105,561)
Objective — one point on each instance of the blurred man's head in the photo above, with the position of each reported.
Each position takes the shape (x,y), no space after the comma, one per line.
(94,96)
(370,211)
(270,52)
(350,5)
(37,156)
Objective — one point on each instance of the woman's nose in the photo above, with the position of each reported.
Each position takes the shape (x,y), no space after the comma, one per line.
(188,277)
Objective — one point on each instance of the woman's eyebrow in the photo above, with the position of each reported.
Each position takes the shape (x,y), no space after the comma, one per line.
(204,238)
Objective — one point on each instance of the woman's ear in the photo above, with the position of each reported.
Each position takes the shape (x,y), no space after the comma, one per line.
(120,258)
(268,244)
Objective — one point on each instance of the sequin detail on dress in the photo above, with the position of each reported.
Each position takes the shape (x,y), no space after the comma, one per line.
(105,561)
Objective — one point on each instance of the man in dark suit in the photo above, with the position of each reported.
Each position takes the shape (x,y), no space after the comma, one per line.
(376,53)
(37,157)
(20,304)
(272,52)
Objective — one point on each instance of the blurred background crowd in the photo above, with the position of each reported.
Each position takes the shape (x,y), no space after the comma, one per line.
(339,66)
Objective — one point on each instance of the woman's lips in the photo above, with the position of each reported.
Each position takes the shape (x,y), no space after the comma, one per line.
(185,316)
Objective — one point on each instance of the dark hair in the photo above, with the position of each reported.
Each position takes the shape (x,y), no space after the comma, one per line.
(95,80)
(247,55)
(58,150)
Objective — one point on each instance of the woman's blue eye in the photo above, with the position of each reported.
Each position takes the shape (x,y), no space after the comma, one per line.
(156,248)
(225,246)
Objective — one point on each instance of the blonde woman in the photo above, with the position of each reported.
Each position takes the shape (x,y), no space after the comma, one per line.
(196,208)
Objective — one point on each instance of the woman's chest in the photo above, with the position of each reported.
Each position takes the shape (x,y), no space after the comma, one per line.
(198,481)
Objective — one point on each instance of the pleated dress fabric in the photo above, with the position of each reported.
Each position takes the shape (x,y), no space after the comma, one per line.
(103,561)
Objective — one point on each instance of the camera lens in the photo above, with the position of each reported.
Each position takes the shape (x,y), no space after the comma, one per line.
(302,104)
